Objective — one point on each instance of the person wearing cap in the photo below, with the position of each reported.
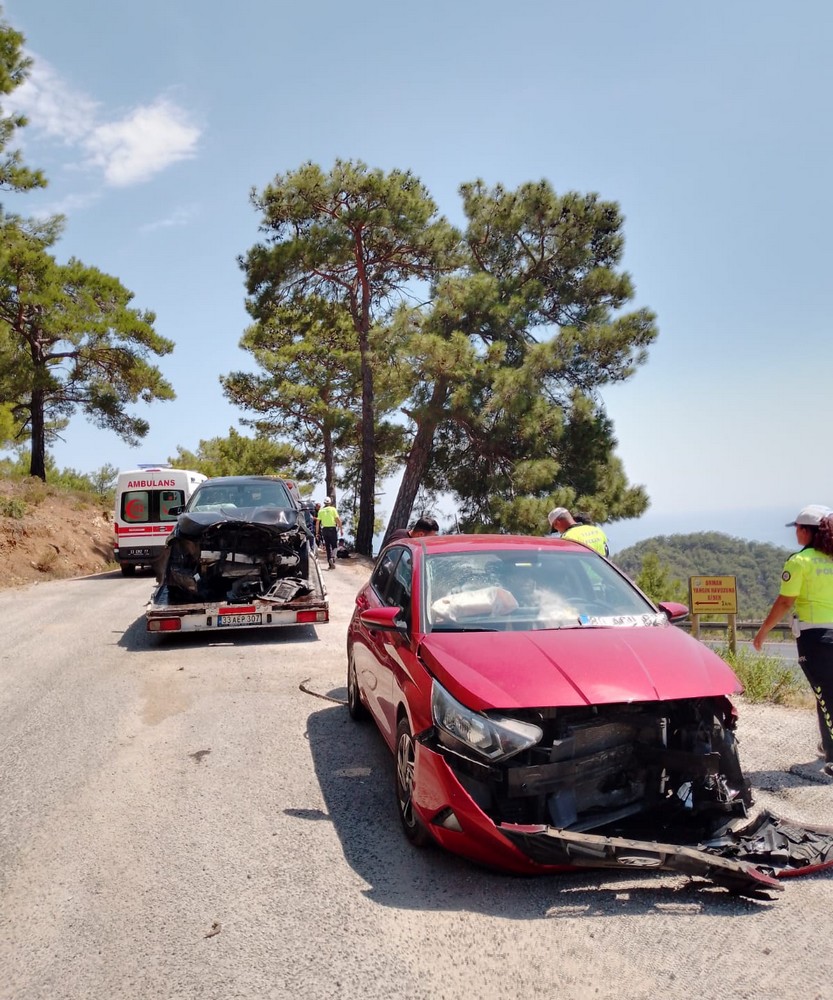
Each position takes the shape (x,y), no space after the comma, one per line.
(328,524)
(591,535)
(807,591)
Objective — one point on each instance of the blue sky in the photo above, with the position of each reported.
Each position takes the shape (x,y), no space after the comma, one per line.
(708,123)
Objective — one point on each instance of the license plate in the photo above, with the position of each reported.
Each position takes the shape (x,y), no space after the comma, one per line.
(239,619)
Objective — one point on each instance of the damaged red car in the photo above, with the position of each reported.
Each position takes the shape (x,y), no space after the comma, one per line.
(546,715)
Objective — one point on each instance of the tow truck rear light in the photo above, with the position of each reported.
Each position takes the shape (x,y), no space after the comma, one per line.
(311,616)
(164,625)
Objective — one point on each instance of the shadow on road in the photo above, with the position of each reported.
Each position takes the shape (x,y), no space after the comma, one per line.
(356,774)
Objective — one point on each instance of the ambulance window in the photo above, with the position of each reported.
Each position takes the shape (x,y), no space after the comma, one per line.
(167,500)
(135,506)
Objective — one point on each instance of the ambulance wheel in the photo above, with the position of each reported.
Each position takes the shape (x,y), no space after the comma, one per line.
(128,570)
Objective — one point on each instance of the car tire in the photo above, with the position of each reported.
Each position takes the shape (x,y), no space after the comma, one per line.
(355,706)
(128,569)
(405,756)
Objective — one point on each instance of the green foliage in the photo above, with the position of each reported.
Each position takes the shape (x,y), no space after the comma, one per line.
(654,580)
(14,68)
(238,455)
(361,240)
(756,565)
(77,343)
(99,483)
(12,507)
(509,356)
(766,678)
(97,486)
(310,390)
(497,373)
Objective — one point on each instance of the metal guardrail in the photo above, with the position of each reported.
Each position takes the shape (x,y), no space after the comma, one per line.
(740,627)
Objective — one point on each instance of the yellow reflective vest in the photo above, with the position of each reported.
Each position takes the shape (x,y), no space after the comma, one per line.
(808,577)
(590,535)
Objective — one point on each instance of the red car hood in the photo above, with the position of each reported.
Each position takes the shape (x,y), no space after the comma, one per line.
(577,666)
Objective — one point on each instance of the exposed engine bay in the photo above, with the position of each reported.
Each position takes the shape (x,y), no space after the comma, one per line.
(643,785)
(619,769)
(237,555)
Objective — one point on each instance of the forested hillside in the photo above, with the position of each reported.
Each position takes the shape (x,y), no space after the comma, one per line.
(756,565)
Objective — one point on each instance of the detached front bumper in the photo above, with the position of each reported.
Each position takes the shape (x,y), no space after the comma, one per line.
(745,859)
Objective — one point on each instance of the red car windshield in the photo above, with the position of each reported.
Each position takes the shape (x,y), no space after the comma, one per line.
(527,589)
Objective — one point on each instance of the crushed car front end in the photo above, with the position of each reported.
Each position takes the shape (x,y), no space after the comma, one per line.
(236,556)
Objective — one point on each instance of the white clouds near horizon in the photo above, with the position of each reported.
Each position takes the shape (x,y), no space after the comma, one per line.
(126,150)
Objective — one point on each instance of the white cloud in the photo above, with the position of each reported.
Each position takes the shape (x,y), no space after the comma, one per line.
(127,150)
(142,144)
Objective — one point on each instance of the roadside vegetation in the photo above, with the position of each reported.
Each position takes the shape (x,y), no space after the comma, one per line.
(768,678)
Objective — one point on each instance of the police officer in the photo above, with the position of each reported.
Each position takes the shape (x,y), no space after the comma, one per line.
(807,590)
(591,535)
(328,525)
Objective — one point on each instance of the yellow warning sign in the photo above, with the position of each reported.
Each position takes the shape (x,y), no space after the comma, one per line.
(713,595)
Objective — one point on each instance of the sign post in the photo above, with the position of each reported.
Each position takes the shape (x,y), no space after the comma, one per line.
(714,595)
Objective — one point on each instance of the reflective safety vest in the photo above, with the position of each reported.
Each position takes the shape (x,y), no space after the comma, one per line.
(328,517)
(588,534)
(808,577)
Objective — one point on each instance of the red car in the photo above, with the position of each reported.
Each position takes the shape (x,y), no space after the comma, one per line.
(546,715)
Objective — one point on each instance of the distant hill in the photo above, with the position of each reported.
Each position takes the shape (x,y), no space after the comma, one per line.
(756,565)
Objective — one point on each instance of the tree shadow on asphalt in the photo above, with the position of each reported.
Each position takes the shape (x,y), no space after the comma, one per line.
(355,771)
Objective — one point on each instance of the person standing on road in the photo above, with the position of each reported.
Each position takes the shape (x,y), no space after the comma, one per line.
(807,590)
(328,523)
(591,535)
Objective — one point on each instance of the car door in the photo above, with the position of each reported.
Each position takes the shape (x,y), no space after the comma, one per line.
(378,652)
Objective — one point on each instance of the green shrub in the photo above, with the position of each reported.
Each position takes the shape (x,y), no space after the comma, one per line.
(12,507)
(35,490)
(765,677)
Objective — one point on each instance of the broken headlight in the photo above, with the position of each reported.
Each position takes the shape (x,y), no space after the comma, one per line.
(495,737)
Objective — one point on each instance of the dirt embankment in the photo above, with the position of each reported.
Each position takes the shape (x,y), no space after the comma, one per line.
(48,533)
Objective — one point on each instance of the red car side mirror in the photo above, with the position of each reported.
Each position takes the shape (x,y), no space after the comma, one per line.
(674,612)
(382,618)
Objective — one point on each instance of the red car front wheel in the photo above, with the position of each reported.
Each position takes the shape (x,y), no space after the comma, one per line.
(405,756)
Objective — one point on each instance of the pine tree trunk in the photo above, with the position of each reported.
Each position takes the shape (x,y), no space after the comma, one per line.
(37,464)
(367,481)
(418,459)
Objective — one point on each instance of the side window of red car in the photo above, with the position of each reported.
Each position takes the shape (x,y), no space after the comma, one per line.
(384,571)
(399,588)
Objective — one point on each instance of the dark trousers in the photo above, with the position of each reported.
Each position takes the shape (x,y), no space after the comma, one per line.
(330,536)
(815,656)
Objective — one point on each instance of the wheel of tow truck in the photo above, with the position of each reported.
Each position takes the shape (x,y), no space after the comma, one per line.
(405,755)
(354,702)
(128,569)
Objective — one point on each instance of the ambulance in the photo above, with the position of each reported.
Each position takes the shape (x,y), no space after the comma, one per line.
(148,501)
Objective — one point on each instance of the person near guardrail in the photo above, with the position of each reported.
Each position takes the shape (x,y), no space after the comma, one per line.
(807,591)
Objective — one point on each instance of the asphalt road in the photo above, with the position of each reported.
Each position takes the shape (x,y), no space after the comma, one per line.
(188,818)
